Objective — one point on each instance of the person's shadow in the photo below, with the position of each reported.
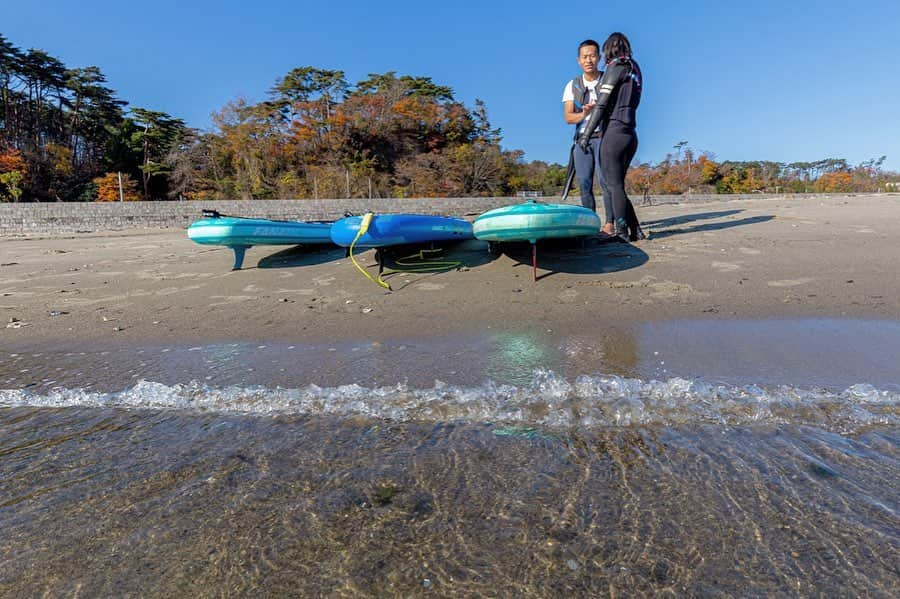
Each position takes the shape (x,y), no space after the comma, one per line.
(687,218)
(578,255)
(668,227)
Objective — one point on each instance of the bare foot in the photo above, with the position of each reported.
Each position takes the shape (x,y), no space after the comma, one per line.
(608,228)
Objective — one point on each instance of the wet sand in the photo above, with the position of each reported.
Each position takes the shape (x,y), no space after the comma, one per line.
(823,257)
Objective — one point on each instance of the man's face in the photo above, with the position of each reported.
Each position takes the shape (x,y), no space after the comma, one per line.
(588,58)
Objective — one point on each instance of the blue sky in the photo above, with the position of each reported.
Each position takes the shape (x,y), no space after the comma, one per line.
(773,80)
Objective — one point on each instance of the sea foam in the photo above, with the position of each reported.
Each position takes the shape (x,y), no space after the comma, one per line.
(549,400)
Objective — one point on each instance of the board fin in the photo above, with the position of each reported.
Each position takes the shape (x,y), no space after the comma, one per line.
(239,251)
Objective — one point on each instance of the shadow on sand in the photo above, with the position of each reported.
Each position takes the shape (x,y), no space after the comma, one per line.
(665,223)
(302,255)
(665,229)
(582,255)
(424,260)
(433,258)
(461,254)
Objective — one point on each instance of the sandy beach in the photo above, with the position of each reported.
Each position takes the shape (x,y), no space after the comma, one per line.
(829,256)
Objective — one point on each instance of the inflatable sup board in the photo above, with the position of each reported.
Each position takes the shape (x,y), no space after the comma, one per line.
(242,233)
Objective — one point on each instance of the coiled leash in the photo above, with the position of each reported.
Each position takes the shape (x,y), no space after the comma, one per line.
(425,263)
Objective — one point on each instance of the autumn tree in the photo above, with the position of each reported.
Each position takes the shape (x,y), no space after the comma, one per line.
(13,171)
(11,160)
(708,169)
(247,150)
(108,188)
(834,182)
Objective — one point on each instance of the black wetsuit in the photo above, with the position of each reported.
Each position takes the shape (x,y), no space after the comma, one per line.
(618,96)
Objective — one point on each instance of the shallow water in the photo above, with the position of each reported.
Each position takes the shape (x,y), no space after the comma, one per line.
(828,353)
(701,458)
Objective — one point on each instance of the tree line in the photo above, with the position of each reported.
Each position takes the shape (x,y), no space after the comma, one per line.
(687,171)
(66,136)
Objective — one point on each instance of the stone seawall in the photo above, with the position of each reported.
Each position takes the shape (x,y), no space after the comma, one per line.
(75,217)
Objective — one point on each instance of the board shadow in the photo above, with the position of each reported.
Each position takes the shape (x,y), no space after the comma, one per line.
(580,256)
(437,256)
(302,255)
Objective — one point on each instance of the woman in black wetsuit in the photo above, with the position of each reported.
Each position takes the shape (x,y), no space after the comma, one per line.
(618,96)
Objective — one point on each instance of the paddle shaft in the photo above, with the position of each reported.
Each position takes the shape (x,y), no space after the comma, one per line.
(570,173)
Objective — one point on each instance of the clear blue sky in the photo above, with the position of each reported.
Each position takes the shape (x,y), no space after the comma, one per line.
(773,80)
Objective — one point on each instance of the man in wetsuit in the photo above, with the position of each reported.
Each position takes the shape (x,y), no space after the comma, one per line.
(579,97)
(615,114)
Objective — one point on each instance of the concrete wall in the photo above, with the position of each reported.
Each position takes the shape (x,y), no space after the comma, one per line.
(75,217)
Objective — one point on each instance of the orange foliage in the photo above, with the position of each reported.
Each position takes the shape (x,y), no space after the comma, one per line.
(303,132)
(11,160)
(419,110)
(203,194)
(368,107)
(108,188)
(709,170)
(639,178)
(834,182)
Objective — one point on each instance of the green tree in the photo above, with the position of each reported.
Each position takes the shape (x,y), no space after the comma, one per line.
(11,181)
(305,84)
(156,134)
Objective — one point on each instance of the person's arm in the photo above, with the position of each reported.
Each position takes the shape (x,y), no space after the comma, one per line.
(572,116)
(611,78)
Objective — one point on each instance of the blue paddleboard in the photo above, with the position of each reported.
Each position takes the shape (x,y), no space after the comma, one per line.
(399,229)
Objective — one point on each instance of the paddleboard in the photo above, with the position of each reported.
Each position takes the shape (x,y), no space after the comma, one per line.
(399,229)
(532,220)
(239,234)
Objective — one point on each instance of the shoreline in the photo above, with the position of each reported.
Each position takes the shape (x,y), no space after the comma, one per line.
(747,259)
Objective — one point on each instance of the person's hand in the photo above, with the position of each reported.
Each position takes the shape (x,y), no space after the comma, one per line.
(584,142)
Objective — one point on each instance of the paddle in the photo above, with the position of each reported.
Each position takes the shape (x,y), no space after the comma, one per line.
(570,173)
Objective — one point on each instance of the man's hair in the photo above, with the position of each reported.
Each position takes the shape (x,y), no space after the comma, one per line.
(588,43)
(616,46)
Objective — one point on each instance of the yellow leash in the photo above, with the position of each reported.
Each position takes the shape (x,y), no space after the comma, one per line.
(363,228)
(421,261)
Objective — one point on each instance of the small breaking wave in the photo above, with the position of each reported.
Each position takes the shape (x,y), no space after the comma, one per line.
(549,401)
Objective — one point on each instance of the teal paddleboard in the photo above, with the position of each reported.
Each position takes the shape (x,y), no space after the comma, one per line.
(532,220)
(239,234)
